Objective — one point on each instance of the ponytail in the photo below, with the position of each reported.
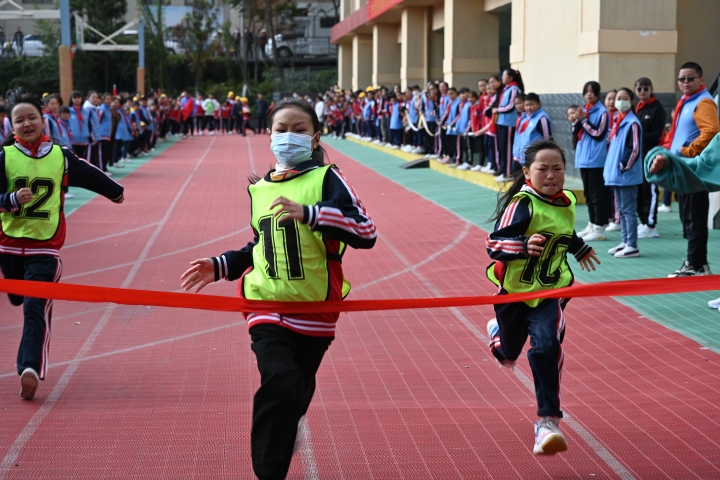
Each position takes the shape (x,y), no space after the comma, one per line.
(517,78)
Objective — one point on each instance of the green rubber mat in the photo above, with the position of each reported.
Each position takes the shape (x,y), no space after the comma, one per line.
(686,313)
(82,196)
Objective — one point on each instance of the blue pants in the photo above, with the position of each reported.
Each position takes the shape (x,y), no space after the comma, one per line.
(396,136)
(626,199)
(546,326)
(35,342)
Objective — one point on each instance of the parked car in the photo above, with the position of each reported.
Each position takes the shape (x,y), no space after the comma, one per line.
(32,47)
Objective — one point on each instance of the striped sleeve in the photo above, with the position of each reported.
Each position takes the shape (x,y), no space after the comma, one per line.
(508,241)
(341,214)
(510,104)
(232,264)
(633,148)
(578,247)
(596,132)
(543,128)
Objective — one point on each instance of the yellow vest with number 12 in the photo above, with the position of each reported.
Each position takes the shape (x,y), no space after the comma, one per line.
(40,218)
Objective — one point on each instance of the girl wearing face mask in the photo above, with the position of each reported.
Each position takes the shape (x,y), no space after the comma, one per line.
(623,171)
(304,214)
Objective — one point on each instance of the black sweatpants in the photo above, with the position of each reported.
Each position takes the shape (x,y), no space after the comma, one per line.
(262,124)
(647,203)
(505,139)
(287,362)
(595,195)
(189,126)
(106,153)
(694,209)
(35,342)
(546,326)
(80,151)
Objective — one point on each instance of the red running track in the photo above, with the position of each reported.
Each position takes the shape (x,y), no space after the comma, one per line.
(148,392)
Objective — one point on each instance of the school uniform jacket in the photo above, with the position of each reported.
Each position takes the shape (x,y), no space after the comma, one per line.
(339,217)
(530,129)
(591,148)
(79,125)
(78,173)
(651,115)
(623,166)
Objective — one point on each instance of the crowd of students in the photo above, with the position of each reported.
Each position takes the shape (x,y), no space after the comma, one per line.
(496,123)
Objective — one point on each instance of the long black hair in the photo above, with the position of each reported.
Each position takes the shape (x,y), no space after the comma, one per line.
(517,78)
(518,179)
(15,98)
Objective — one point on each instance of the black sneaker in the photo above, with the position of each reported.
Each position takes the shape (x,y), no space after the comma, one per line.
(688,270)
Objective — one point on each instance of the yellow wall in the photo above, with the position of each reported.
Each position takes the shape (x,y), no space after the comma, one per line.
(699,35)
(545,45)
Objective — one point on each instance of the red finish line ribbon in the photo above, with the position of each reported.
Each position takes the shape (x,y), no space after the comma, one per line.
(125,296)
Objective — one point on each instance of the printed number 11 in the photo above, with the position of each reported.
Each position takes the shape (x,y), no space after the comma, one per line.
(291,246)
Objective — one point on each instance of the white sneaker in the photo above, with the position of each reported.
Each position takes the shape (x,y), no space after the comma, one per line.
(597,234)
(434,157)
(665,208)
(201,133)
(586,230)
(376,142)
(464,166)
(394,147)
(648,232)
(69,195)
(406,148)
(549,440)
(613,227)
(452,164)
(476,168)
(211,133)
(29,382)
(420,150)
(614,250)
(500,178)
(714,303)
(108,173)
(486,169)
(628,252)
(300,436)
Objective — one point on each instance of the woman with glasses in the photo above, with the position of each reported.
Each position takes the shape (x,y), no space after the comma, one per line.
(652,118)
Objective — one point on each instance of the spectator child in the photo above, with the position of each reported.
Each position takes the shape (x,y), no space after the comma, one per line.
(623,171)
(506,119)
(535,126)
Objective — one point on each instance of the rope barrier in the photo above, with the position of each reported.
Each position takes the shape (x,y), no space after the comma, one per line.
(124,296)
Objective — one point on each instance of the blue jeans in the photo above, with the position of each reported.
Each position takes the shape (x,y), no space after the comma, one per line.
(626,199)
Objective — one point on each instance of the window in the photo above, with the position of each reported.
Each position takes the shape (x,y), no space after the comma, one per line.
(328,22)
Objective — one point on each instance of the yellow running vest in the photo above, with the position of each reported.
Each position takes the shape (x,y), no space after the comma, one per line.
(550,269)
(40,218)
(290,261)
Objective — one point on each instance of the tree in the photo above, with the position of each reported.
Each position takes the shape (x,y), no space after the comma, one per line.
(198,28)
(155,51)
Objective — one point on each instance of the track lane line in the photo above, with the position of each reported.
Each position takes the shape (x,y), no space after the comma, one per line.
(36,420)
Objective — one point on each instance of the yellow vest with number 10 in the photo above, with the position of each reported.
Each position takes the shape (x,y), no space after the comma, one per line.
(40,218)
(549,270)
(290,261)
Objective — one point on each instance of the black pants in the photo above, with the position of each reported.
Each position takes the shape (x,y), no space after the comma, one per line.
(210,123)
(429,139)
(647,203)
(490,144)
(188,126)
(37,312)
(505,139)
(287,362)
(477,147)
(694,209)
(262,124)
(80,150)
(106,153)
(546,326)
(595,195)
(93,154)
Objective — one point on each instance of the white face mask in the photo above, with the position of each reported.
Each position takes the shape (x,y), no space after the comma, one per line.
(623,105)
(291,149)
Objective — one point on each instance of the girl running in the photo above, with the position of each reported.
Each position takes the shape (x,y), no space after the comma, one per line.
(304,213)
(32,171)
(533,234)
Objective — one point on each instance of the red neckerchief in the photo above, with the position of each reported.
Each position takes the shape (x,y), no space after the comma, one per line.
(78,110)
(35,146)
(523,125)
(676,117)
(621,116)
(587,108)
(61,125)
(558,196)
(641,104)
